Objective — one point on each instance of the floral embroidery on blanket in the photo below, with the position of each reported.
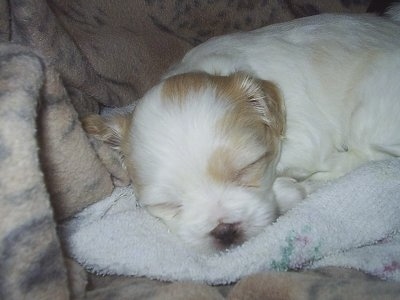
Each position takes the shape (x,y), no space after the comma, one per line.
(300,247)
(391,267)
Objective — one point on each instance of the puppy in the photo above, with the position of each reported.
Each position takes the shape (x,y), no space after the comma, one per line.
(248,124)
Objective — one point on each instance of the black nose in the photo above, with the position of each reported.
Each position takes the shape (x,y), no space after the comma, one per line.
(227,234)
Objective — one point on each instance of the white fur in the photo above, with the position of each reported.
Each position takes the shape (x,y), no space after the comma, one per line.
(173,148)
(340,80)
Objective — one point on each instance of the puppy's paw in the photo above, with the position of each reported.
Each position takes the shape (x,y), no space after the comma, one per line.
(288,193)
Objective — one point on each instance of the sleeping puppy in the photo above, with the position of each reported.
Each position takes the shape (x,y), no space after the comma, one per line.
(248,124)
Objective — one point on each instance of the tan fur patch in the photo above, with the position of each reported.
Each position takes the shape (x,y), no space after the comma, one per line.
(232,88)
(244,124)
(94,125)
(259,104)
(176,88)
(124,124)
(276,107)
(220,166)
(115,131)
(107,129)
(255,114)
(252,174)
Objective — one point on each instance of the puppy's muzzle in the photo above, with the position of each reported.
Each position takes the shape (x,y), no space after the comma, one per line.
(227,235)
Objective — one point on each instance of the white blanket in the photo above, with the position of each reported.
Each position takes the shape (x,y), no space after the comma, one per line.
(351,222)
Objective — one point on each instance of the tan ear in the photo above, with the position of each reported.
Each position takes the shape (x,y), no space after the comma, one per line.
(109,135)
(266,99)
(274,106)
(110,130)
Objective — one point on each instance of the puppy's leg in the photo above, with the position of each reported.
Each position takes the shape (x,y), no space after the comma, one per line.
(289,192)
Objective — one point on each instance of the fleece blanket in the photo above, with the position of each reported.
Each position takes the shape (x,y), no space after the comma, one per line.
(351,222)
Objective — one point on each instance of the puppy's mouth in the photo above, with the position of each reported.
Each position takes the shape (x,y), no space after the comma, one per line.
(227,235)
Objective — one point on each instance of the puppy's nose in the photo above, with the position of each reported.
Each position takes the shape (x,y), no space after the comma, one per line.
(227,234)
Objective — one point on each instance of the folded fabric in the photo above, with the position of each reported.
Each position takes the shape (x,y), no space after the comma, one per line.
(353,221)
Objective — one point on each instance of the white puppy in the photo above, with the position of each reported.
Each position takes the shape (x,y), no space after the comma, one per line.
(304,102)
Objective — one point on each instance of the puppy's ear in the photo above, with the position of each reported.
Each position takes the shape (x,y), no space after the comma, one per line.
(265,98)
(109,136)
(109,130)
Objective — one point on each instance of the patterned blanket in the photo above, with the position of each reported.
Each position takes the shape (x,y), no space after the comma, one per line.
(60,60)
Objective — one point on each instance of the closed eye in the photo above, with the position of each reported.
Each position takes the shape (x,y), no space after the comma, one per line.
(245,171)
(165,210)
(166,205)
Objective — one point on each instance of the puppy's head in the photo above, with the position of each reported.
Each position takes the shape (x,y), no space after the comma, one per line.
(201,151)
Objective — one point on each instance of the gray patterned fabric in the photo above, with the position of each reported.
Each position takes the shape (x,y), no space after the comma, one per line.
(31,263)
(60,60)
